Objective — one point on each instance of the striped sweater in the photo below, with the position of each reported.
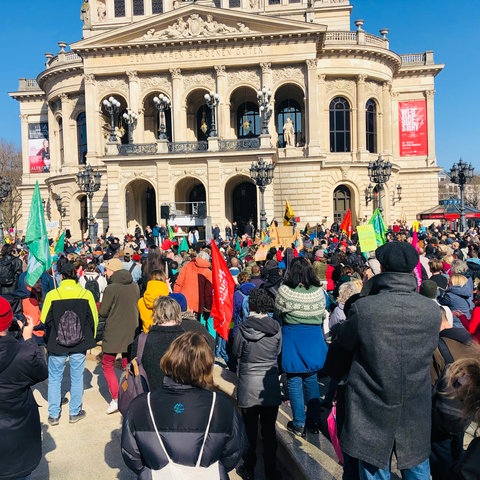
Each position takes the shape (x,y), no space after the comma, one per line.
(300,306)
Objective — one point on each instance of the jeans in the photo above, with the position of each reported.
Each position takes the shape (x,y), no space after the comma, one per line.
(56,366)
(221,348)
(268,417)
(296,383)
(108,367)
(418,472)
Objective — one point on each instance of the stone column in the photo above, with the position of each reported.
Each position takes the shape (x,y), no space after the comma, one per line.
(361,119)
(70,140)
(267,81)
(133,101)
(323,119)
(429,94)
(52,139)
(223,111)
(179,117)
(311,113)
(95,140)
(385,145)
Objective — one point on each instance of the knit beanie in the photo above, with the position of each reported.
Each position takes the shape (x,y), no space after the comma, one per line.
(6,314)
(180,299)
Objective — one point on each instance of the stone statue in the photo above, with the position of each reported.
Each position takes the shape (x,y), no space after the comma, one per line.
(242,27)
(101,12)
(289,133)
(85,14)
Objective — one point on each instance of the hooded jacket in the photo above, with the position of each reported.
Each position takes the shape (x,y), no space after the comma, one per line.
(119,308)
(458,298)
(21,366)
(257,346)
(155,289)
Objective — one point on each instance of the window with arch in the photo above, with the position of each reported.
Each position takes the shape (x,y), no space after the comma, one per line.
(204,123)
(157,6)
(119,8)
(248,120)
(82,138)
(341,202)
(138,7)
(290,109)
(371,125)
(339,125)
(60,140)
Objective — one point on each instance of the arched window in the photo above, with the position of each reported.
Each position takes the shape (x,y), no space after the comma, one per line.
(60,141)
(339,125)
(82,138)
(290,109)
(371,125)
(138,7)
(341,202)
(204,122)
(248,120)
(157,6)
(119,8)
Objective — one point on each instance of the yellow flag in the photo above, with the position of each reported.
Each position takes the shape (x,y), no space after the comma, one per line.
(288,214)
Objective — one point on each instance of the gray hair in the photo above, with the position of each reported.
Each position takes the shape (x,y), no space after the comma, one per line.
(204,255)
(346,290)
(459,266)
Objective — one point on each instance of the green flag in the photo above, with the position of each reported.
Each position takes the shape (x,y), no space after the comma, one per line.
(238,248)
(171,233)
(379,227)
(60,245)
(39,259)
(183,247)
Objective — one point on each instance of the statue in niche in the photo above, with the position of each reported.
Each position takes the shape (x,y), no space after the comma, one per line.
(101,11)
(253,4)
(85,14)
(289,133)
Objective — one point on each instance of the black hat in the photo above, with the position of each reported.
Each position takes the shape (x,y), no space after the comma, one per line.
(397,257)
(429,289)
(68,269)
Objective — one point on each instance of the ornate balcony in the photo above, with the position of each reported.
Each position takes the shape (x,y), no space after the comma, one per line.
(187,147)
(240,144)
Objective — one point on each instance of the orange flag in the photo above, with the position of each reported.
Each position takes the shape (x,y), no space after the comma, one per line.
(346,226)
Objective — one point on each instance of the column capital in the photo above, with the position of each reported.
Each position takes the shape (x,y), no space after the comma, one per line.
(221,70)
(89,78)
(176,73)
(361,78)
(266,67)
(311,63)
(132,75)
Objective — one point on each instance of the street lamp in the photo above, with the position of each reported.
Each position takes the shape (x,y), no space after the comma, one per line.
(112,105)
(130,118)
(460,174)
(89,183)
(266,108)
(262,174)
(212,100)
(379,173)
(5,190)
(162,102)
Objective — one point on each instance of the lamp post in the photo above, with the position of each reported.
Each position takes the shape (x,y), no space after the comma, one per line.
(112,105)
(460,174)
(266,108)
(262,174)
(89,183)
(212,100)
(162,102)
(130,118)
(5,190)
(379,173)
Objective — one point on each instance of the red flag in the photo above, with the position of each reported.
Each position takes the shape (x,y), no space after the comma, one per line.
(223,289)
(346,226)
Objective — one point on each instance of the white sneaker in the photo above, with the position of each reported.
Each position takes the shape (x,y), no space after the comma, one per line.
(113,407)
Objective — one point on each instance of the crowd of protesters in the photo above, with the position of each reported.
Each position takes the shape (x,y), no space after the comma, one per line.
(374,324)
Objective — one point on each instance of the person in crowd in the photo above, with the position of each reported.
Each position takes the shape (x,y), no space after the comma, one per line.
(256,277)
(472,325)
(92,273)
(167,326)
(458,296)
(257,346)
(119,308)
(68,297)
(300,307)
(156,287)
(10,268)
(175,419)
(22,365)
(154,261)
(388,391)
(345,291)
(129,264)
(195,282)
(436,267)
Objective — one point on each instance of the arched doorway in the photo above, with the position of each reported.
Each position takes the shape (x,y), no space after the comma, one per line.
(140,204)
(244,205)
(341,202)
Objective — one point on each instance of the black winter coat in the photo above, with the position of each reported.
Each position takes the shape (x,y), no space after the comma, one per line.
(21,366)
(181,414)
(12,265)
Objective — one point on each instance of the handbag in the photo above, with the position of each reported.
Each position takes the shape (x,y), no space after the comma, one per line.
(176,471)
(133,380)
(332,430)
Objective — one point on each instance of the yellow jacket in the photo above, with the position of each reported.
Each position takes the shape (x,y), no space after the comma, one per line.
(155,289)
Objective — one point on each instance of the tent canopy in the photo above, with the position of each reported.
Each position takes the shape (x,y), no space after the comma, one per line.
(448,210)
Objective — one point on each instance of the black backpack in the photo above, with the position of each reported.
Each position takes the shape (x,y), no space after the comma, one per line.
(7,272)
(91,284)
(447,415)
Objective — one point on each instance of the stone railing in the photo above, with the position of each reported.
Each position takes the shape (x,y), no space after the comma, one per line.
(66,57)
(137,149)
(414,59)
(187,147)
(358,37)
(27,84)
(240,144)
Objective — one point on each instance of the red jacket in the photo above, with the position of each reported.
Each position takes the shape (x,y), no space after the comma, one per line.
(472,325)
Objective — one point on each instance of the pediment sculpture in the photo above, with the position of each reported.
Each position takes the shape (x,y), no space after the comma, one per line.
(195,26)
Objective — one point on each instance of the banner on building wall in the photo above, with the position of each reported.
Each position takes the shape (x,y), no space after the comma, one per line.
(413,128)
(38,148)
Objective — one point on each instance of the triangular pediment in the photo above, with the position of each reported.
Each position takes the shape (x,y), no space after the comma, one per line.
(192,23)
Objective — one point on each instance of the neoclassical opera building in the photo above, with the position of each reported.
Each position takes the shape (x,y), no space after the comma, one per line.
(171,102)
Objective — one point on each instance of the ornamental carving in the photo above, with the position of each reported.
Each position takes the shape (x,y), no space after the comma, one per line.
(195,26)
(220,69)
(159,82)
(266,67)
(289,73)
(197,172)
(311,63)
(341,85)
(243,76)
(132,75)
(373,88)
(113,84)
(89,78)
(344,171)
(200,80)
(176,73)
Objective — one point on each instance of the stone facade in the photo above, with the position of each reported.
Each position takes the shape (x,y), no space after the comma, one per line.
(305,55)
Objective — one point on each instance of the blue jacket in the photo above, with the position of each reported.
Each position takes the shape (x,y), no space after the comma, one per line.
(458,298)
(238,298)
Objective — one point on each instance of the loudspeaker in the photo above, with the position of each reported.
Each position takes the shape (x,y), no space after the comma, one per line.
(165,211)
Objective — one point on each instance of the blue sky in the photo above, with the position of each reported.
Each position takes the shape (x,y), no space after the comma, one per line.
(29,29)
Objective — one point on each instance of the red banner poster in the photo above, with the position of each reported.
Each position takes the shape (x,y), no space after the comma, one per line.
(413,128)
